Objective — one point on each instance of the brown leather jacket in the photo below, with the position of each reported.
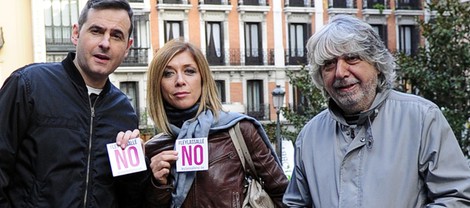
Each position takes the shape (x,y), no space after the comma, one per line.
(222,185)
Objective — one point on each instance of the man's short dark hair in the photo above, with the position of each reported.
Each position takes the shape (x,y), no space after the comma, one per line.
(106,4)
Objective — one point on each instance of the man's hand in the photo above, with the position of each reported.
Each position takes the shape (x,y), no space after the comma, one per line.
(123,137)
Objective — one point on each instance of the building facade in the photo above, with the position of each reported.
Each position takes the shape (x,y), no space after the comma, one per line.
(249,43)
(16,43)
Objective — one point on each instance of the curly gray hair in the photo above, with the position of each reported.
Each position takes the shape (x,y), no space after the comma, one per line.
(348,35)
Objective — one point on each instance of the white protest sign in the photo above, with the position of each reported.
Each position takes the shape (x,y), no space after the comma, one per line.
(193,154)
(128,160)
(287,157)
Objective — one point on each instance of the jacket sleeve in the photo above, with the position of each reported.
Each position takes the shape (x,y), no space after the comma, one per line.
(442,163)
(14,117)
(275,181)
(298,192)
(132,188)
(157,195)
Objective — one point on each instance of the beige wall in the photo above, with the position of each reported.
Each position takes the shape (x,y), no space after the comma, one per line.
(15,20)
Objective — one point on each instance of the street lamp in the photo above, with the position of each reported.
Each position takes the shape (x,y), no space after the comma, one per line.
(278,100)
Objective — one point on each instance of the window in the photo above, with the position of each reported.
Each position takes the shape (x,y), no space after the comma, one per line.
(215,44)
(382,31)
(408,39)
(138,53)
(298,36)
(253,52)
(130,89)
(255,103)
(173,29)
(59,17)
(220,84)
(301,102)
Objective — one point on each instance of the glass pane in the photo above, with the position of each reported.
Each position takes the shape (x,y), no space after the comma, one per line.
(74,11)
(300,40)
(292,40)
(47,12)
(254,40)
(65,13)
(56,18)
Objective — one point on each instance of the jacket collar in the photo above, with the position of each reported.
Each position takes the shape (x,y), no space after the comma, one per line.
(77,78)
(369,114)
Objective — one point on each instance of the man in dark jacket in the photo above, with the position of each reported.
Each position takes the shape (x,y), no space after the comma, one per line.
(53,133)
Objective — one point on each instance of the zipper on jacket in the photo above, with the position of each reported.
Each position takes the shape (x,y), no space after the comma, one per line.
(92,116)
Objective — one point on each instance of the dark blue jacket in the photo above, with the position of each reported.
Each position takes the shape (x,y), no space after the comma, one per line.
(53,140)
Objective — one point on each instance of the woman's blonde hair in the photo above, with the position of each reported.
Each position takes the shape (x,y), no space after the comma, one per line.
(155,103)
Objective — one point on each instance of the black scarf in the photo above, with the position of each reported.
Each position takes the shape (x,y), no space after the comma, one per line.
(177,117)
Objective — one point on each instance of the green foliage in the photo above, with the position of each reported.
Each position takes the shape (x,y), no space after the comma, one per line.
(440,71)
(313,102)
(379,6)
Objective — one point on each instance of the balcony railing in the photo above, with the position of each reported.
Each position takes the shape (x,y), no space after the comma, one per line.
(171,1)
(235,55)
(296,57)
(58,38)
(253,2)
(376,4)
(215,2)
(408,4)
(56,56)
(136,57)
(299,3)
(342,4)
(260,112)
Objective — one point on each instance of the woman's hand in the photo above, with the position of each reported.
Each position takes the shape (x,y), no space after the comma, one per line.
(123,137)
(161,165)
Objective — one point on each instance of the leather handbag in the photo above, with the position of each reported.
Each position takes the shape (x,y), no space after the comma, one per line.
(255,196)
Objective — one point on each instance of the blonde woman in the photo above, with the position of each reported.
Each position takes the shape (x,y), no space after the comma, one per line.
(183,103)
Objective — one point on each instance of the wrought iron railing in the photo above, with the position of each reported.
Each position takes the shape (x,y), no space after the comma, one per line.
(254,2)
(234,57)
(172,1)
(299,3)
(376,4)
(216,2)
(408,4)
(296,57)
(342,4)
(260,112)
(136,57)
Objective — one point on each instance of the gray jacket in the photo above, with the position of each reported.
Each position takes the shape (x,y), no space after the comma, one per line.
(402,153)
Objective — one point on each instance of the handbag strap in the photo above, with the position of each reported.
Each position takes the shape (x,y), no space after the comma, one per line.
(242,149)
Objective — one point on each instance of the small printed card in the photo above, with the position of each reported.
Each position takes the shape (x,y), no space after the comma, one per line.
(193,154)
(128,160)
